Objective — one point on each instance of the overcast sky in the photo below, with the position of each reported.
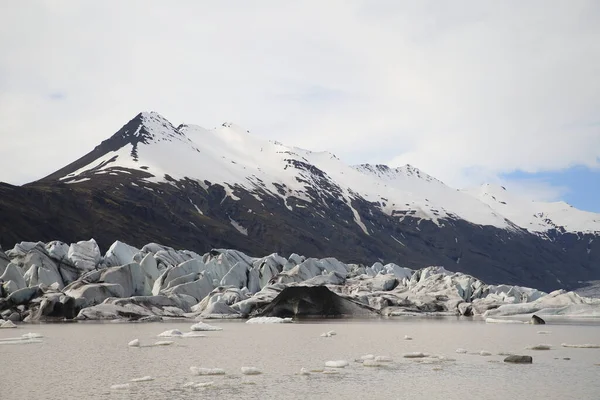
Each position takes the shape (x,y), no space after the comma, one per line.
(468,91)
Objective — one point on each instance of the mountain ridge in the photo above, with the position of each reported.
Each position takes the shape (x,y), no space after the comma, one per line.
(198,188)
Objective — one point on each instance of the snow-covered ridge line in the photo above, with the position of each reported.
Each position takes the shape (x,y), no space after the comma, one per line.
(49,281)
(230,156)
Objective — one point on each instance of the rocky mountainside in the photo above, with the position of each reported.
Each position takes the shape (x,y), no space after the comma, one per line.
(189,187)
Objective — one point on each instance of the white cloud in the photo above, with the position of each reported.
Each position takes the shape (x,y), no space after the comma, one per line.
(465,90)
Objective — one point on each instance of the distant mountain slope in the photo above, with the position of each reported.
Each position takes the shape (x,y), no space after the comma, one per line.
(190,187)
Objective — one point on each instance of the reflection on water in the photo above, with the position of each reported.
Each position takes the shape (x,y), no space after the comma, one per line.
(83,361)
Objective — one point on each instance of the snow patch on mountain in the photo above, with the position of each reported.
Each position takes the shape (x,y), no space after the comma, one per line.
(536,216)
(229,156)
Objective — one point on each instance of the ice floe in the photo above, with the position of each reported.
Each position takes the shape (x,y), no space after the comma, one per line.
(121,386)
(142,379)
(328,334)
(206,371)
(164,343)
(540,347)
(202,326)
(269,320)
(336,364)
(250,371)
(7,324)
(171,333)
(503,321)
(581,346)
(461,351)
(134,343)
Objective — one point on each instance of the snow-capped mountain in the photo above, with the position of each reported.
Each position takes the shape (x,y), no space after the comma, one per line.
(230,156)
(187,186)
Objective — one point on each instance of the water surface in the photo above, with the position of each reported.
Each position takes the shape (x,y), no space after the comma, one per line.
(83,361)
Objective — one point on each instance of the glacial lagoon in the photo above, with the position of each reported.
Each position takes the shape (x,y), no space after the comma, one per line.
(92,360)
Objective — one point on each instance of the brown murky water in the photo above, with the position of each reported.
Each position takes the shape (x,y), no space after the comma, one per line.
(83,361)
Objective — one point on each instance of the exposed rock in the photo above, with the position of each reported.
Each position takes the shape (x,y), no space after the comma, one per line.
(537,320)
(465,309)
(312,301)
(519,359)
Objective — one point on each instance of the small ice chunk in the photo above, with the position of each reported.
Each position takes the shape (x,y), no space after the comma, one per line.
(7,324)
(437,368)
(485,353)
(32,336)
(201,326)
(503,321)
(19,340)
(207,371)
(368,357)
(164,343)
(251,371)
(192,335)
(142,379)
(337,364)
(171,333)
(372,363)
(120,386)
(544,332)
(581,346)
(134,343)
(247,382)
(383,359)
(189,384)
(461,351)
(332,333)
(304,371)
(505,353)
(406,337)
(204,384)
(415,355)
(330,372)
(269,320)
(540,347)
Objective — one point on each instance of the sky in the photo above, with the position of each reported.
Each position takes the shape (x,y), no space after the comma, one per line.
(476,91)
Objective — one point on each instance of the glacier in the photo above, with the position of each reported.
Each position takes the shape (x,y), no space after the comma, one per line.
(160,283)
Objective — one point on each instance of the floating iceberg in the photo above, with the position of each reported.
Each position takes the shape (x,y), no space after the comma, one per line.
(134,343)
(250,371)
(336,364)
(164,343)
(202,326)
(171,333)
(7,324)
